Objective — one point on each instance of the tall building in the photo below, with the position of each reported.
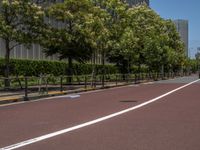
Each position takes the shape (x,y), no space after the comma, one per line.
(137,2)
(182,28)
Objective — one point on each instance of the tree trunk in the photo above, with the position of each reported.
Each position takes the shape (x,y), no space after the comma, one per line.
(162,71)
(139,70)
(93,70)
(70,70)
(124,69)
(129,66)
(103,69)
(139,66)
(7,64)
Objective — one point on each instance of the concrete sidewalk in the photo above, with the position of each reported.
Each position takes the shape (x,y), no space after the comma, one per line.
(36,95)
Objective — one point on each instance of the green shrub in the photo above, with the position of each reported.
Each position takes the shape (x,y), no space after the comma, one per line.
(23,67)
(135,69)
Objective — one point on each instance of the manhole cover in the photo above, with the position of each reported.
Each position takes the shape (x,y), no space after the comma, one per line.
(128,101)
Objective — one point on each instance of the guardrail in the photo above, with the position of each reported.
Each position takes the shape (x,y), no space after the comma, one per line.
(45,85)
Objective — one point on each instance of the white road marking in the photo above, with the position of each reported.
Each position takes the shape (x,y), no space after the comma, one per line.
(134,85)
(47,136)
(148,83)
(74,96)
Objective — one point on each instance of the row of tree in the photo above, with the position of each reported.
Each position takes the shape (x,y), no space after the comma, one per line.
(123,35)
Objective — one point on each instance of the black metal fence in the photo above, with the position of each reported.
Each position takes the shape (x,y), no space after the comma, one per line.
(46,85)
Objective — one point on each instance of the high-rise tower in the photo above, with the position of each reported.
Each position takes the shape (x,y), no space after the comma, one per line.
(182,28)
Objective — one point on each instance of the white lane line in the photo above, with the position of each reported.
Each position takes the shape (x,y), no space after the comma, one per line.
(47,136)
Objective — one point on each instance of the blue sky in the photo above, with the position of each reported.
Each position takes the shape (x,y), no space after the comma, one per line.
(182,9)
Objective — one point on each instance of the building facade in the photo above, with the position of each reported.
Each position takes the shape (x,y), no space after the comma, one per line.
(137,2)
(183,30)
(34,51)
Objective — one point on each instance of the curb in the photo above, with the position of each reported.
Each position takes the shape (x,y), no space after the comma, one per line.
(6,100)
(15,99)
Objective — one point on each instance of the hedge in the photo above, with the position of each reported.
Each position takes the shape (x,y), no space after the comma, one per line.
(23,67)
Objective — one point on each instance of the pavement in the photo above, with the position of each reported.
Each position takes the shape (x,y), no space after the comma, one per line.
(183,80)
(156,116)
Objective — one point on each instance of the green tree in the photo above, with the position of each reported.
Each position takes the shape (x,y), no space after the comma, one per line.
(100,36)
(74,40)
(146,24)
(123,54)
(144,38)
(21,23)
(115,25)
(176,54)
(137,43)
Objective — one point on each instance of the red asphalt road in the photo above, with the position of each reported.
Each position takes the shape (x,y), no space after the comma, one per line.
(172,123)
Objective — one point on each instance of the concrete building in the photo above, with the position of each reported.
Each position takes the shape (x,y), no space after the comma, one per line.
(35,51)
(137,2)
(182,28)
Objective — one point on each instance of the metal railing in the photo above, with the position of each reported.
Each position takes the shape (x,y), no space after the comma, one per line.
(45,85)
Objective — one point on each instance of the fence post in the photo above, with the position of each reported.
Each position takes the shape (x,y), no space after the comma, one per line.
(61,84)
(147,76)
(26,90)
(127,78)
(103,80)
(142,77)
(157,76)
(139,78)
(116,79)
(135,78)
(47,90)
(95,80)
(163,75)
(85,82)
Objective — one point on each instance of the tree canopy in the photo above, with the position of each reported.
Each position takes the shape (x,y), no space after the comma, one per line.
(76,29)
(21,23)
